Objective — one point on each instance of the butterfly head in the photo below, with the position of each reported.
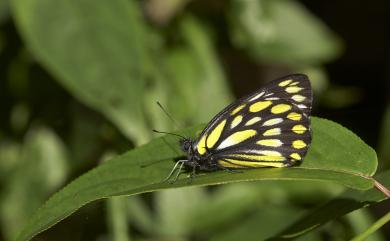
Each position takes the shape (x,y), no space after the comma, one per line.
(186,145)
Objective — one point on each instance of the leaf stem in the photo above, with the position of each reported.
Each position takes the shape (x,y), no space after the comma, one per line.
(381,188)
(374,227)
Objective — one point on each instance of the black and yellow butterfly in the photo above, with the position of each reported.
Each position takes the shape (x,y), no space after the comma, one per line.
(268,128)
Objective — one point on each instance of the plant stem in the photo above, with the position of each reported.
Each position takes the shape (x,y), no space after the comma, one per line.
(381,188)
(374,227)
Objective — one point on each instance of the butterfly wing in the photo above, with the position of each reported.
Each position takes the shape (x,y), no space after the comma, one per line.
(270,127)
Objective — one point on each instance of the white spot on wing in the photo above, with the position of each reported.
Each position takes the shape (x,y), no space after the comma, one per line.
(226,143)
(257,96)
(272,98)
(253,121)
(298,98)
(270,153)
(272,122)
(272,132)
(260,152)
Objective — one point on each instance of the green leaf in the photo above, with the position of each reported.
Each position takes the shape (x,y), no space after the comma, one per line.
(196,73)
(191,72)
(117,219)
(336,154)
(373,228)
(210,71)
(174,208)
(347,202)
(140,215)
(96,51)
(219,210)
(253,227)
(40,169)
(281,31)
(4,11)
(9,158)
(360,220)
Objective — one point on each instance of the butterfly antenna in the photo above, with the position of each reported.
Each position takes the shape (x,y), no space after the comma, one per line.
(166,113)
(169,133)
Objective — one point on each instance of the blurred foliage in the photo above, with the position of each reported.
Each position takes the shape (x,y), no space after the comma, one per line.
(281,31)
(39,167)
(79,79)
(4,10)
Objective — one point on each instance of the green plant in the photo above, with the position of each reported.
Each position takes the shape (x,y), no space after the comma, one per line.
(82,86)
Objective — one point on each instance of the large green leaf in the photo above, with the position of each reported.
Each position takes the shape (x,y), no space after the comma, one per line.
(96,51)
(336,154)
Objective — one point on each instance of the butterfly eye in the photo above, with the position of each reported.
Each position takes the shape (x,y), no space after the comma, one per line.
(185,144)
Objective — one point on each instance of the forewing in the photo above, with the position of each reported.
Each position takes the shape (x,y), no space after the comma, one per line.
(270,127)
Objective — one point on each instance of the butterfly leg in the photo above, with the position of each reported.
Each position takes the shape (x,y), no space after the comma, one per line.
(181,163)
(178,173)
(191,175)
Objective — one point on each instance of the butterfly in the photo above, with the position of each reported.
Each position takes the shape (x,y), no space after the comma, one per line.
(268,128)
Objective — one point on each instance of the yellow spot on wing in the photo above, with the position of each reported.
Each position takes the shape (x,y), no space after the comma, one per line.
(295,156)
(236,138)
(258,106)
(280,108)
(298,144)
(237,109)
(271,157)
(299,129)
(294,116)
(237,120)
(215,134)
(253,121)
(232,163)
(272,132)
(201,146)
(272,122)
(229,165)
(270,142)
(293,89)
(285,82)
(298,98)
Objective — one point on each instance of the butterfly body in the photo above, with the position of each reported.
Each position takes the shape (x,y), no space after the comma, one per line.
(195,161)
(268,128)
